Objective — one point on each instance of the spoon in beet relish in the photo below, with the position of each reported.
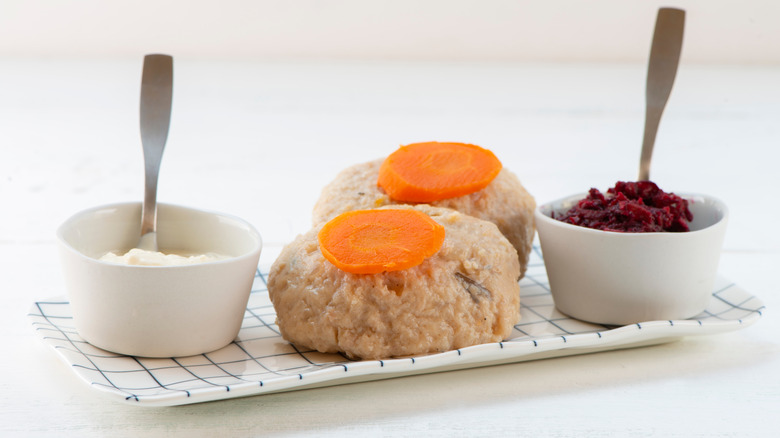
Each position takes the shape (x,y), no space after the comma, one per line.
(661,70)
(641,206)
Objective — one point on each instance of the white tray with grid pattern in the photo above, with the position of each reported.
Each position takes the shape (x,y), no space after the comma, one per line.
(259,361)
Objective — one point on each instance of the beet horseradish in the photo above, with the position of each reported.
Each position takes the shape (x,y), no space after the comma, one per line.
(630,207)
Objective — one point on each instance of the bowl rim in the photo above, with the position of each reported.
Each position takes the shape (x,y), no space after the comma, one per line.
(541,214)
(231,259)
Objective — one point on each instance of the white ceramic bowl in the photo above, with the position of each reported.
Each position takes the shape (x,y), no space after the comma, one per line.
(623,278)
(158,311)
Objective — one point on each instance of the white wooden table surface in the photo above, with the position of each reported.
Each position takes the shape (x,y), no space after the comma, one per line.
(259,140)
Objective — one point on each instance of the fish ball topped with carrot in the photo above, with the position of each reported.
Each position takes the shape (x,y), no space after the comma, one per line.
(396,281)
(464,177)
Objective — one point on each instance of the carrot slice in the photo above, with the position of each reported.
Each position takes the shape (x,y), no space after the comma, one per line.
(373,241)
(432,171)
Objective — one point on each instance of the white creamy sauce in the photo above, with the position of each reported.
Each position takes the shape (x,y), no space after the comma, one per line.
(140,257)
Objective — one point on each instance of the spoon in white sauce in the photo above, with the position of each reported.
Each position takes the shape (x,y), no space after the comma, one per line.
(156,98)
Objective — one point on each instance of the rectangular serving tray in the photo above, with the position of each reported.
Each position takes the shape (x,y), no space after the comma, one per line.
(259,361)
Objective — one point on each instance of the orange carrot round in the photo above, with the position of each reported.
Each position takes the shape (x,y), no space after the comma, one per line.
(373,241)
(432,171)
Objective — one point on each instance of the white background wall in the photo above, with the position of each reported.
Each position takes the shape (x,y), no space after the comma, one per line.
(718,31)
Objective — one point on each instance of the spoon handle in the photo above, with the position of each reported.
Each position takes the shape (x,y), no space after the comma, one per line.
(661,70)
(156,98)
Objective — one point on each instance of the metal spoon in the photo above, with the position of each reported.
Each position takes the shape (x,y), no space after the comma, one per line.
(661,70)
(156,97)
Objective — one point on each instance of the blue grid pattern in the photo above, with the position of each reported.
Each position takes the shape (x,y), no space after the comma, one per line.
(260,361)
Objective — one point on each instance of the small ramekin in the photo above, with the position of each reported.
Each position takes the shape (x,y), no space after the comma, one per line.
(158,311)
(622,278)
